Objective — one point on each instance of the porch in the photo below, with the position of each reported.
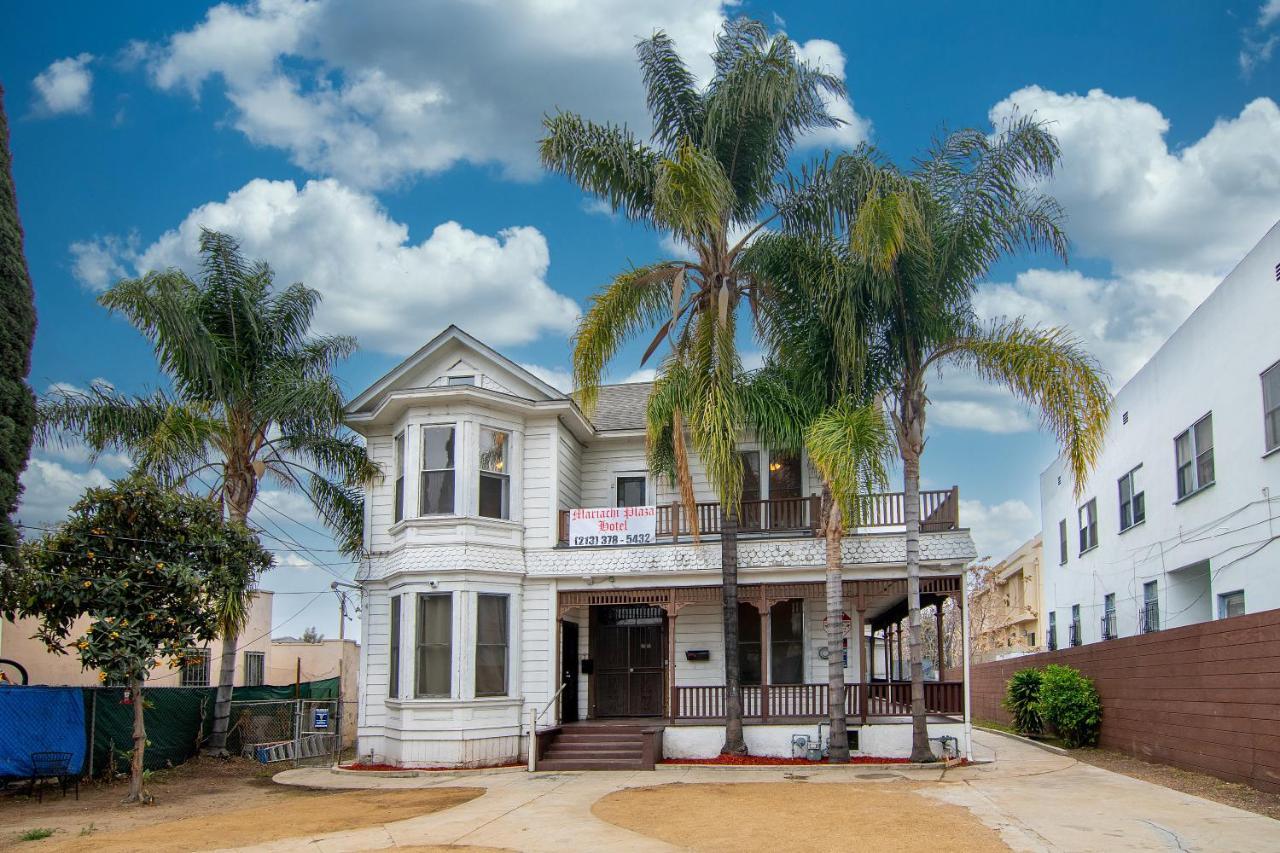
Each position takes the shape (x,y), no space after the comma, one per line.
(656,654)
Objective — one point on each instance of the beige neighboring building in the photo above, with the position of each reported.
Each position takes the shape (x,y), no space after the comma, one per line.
(292,659)
(1006,614)
(17,642)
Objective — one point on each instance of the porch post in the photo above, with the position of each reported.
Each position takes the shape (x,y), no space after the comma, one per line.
(942,649)
(897,633)
(766,641)
(964,646)
(862,664)
(673,698)
(888,657)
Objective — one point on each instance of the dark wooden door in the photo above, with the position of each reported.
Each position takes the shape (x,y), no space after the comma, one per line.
(569,671)
(629,649)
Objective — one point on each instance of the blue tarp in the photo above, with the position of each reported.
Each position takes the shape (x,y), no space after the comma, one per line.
(40,719)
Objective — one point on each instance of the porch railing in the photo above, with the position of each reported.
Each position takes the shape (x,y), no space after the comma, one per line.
(798,701)
(939,510)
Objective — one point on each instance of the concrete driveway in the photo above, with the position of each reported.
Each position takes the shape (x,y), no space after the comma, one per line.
(1035,799)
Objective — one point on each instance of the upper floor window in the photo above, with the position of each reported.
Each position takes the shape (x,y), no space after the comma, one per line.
(1271,405)
(399,499)
(631,490)
(491,645)
(462,380)
(436,496)
(433,664)
(1062,542)
(1149,615)
(1194,450)
(1074,628)
(1109,616)
(495,477)
(1231,604)
(1051,638)
(1133,509)
(1089,525)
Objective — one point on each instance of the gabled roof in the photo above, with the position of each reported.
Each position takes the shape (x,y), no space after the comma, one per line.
(621,407)
(448,336)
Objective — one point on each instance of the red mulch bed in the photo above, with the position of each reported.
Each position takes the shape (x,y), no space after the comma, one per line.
(766,761)
(385,767)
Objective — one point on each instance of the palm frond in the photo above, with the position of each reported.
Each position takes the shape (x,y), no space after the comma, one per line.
(605,160)
(692,195)
(671,92)
(852,448)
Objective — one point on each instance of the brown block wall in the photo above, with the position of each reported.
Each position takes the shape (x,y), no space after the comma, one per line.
(1204,697)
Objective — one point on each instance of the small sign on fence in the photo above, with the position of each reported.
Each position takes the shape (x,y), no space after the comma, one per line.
(320,718)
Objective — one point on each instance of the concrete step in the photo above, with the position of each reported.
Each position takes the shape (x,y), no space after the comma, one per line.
(584,746)
(590,764)
(571,755)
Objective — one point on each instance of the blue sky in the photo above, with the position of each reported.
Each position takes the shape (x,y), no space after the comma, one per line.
(384,153)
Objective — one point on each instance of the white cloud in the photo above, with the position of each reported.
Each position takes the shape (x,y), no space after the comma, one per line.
(999,529)
(827,56)
(99,263)
(598,207)
(1134,201)
(374,93)
(643,374)
(1257,46)
(1269,13)
(377,284)
(556,377)
(50,488)
(64,87)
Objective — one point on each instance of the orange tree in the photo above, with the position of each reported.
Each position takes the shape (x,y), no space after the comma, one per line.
(147,567)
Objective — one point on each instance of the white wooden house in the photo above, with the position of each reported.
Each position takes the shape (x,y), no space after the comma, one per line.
(479,613)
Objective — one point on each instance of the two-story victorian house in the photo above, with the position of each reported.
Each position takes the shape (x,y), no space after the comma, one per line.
(523,562)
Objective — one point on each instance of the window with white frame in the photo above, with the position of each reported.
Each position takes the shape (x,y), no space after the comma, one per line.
(491,644)
(495,475)
(393,656)
(1062,542)
(1133,505)
(1271,406)
(1194,451)
(433,647)
(436,489)
(399,498)
(1231,604)
(786,642)
(255,668)
(195,668)
(1089,525)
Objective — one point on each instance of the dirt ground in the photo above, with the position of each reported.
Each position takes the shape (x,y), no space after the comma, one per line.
(738,818)
(206,804)
(1188,782)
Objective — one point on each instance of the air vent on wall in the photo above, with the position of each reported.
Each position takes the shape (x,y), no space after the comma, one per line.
(1277,272)
(1124,419)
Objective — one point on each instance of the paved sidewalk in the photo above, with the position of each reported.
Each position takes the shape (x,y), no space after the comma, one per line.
(1037,800)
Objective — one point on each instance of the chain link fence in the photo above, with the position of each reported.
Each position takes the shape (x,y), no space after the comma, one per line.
(300,731)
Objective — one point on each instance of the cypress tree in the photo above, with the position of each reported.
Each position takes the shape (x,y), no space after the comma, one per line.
(17,331)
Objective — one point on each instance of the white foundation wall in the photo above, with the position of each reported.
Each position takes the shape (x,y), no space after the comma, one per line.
(881,740)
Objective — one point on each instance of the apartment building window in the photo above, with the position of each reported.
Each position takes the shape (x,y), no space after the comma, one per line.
(1062,542)
(255,666)
(786,642)
(1149,615)
(1052,638)
(437,492)
(1109,616)
(195,669)
(1271,406)
(399,499)
(393,653)
(1074,628)
(1231,604)
(1194,450)
(495,476)
(1133,505)
(1089,525)
(631,490)
(433,665)
(491,645)
(748,644)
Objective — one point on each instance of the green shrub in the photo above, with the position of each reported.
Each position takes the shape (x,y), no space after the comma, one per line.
(1021,700)
(1069,704)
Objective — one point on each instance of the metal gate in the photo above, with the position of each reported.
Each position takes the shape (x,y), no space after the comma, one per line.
(298,731)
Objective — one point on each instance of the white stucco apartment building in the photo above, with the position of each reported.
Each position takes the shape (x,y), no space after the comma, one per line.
(478,609)
(1178,523)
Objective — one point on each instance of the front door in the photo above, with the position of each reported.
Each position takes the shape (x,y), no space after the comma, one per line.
(628,645)
(569,672)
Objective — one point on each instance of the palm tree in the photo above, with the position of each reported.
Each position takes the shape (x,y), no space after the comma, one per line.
(713,175)
(970,202)
(252,396)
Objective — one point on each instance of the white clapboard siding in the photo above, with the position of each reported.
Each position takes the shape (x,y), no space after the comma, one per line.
(569,493)
(382,493)
(537,625)
(539,515)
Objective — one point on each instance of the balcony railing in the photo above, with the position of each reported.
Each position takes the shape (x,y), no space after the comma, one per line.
(1149,617)
(1053,638)
(1073,634)
(800,701)
(939,510)
(1109,625)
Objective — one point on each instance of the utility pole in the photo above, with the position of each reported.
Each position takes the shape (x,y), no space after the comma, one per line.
(340,589)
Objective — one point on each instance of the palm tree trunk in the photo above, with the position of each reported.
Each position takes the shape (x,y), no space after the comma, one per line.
(833,529)
(137,794)
(911,448)
(238,493)
(734,742)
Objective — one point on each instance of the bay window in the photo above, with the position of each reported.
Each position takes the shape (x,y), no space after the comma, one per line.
(436,489)
(393,662)
(399,497)
(433,664)
(495,476)
(491,645)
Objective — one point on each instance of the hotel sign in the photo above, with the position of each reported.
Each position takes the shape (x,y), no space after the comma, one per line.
(624,525)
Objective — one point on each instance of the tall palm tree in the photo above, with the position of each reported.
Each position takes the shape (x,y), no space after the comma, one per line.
(252,395)
(714,175)
(973,200)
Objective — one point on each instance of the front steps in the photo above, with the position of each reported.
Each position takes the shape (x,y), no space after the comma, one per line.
(601,747)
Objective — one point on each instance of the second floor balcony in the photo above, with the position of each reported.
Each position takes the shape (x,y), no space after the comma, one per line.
(798,516)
